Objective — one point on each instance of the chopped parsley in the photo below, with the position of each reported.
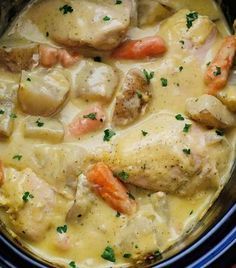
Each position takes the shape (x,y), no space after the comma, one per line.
(140,95)
(148,75)
(117,214)
(47,34)
(26,196)
(191,17)
(181,68)
(187,151)
(39,123)
(191,212)
(66,9)
(217,71)
(17,157)
(186,128)
(208,63)
(220,132)
(179,117)
(157,254)
(130,196)
(28,79)
(91,116)
(164,82)
(144,133)
(97,59)
(106,18)
(118,2)
(72,264)
(123,175)
(13,116)
(109,254)
(108,134)
(127,255)
(62,229)
(2,111)
(181,42)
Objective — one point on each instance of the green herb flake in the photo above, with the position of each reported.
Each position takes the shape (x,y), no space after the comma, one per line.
(139,94)
(217,71)
(2,111)
(118,2)
(106,18)
(97,59)
(148,76)
(144,133)
(66,9)
(13,116)
(187,128)
(127,255)
(220,132)
(181,42)
(181,68)
(39,123)
(118,214)
(28,79)
(62,229)
(108,134)
(91,116)
(130,196)
(72,264)
(47,34)
(109,254)
(157,255)
(191,17)
(123,175)
(164,82)
(179,117)
(17,157)
(191,212)
(187,151)
(208,63)
(26,196)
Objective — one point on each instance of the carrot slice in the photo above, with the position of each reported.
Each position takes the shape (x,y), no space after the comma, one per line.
(140,49)
(91,120)
(217,73)
(110,189)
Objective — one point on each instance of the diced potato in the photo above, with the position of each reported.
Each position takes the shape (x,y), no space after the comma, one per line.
(6,117)
(96,81)
(151,11)
(19,58)
(43,92)
(209,111)
(43,128)
(228,97)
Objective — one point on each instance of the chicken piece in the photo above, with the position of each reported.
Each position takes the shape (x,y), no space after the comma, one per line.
(218,71)
(29,202)
(50,56)
(209,111)
(110,189)
(174,156)
(19,58)
(67,161)
(91,120)
(132,99)
(94,23)
(95,81)
(43,92)
(150,12)
(43,128)
(84,200)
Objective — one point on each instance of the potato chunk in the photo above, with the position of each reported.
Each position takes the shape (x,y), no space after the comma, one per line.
(209,111)
(19,58)
(43,92)
(132,99)
(95,81)
(228,97)
(43,128)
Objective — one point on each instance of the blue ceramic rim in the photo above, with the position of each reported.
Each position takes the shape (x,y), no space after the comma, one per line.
(214,253)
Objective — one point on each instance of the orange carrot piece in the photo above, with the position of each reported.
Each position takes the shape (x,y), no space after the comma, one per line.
(91,120)
(217,73)
(110,189)
(140,49)
(67,59)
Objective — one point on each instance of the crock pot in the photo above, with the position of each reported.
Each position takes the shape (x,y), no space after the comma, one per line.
(213,237)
